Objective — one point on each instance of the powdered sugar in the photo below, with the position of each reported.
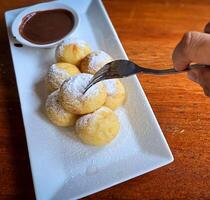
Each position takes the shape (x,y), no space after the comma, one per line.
(59,50)
(98,59)
(84,120)
(56,76)
(52,104)
(111,87)
(75,86)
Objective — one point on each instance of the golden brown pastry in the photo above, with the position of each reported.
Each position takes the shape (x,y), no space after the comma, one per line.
(58,73)
(72,98)
(115,93)
(56,113)
(72,51)
(94,61)
(98,128)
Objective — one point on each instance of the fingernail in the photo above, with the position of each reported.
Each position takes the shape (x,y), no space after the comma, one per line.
(193,76)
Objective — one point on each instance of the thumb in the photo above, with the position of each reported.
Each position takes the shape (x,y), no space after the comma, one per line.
(194,47)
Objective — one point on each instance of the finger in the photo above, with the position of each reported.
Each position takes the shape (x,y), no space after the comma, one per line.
(194,47)
(207,28)
(201,76)
(193,75)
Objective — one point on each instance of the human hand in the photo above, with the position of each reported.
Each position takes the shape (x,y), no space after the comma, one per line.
(195,48)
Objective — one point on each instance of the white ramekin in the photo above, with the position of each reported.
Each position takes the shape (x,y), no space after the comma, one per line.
(41,7)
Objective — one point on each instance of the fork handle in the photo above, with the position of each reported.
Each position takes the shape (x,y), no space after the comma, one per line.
(171,71)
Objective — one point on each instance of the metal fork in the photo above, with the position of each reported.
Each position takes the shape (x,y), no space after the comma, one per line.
(125,68)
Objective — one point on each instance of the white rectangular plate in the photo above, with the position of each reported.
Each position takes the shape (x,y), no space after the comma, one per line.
(63,167)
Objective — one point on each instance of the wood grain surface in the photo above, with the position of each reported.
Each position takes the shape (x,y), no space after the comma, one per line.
(149,31)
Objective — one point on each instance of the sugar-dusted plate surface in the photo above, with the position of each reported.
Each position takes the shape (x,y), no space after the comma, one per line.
(63,167)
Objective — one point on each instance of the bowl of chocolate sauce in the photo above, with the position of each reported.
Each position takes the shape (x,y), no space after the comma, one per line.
(45,25)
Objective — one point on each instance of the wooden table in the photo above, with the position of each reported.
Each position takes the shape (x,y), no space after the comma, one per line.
(149,31)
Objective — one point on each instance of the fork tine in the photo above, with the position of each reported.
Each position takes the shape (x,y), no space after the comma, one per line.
(91,84)
(100,78)
(101,71)
(97,77)
(94,81)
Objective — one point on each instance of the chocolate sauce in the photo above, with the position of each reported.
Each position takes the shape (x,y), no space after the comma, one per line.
(48,26)
(18,45)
